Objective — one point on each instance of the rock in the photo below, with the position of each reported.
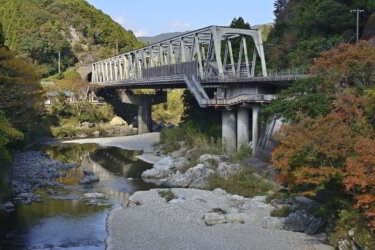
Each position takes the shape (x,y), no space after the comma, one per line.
(89,179)
(170,125)
(226,170)
(207,157)
(306,201)
(88,172)
(220,191)
(96,134)
(195,177)
(94,196)
(87,125)
(190,153)
(344,244)
(211,219)
(299,221)
(7,207)
(166,167)
(351,232)
(130,203)
(118,121)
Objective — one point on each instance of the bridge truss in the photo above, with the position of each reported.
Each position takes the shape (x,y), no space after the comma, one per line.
(197,53)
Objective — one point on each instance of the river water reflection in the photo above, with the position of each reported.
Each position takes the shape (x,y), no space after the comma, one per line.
(64,220)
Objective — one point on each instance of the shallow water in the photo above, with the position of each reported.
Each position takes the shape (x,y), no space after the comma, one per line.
(64,220)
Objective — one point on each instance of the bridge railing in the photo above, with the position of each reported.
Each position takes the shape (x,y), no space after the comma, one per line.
(288,72)
(186,68)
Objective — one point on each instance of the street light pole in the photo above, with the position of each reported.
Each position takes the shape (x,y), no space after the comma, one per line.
(358,11)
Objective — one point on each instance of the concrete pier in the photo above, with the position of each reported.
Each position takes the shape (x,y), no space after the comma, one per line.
(144,119)
(255,128)
(243,127)
(229,130)
(144,103)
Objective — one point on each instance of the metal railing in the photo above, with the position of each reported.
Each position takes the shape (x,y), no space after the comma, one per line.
(186,68)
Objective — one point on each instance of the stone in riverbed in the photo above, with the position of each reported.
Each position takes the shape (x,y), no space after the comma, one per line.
(195,177)
(89,179)
(299,221)
(165,168)
(94,196)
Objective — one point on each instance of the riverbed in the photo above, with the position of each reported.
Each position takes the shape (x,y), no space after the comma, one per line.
(65,218)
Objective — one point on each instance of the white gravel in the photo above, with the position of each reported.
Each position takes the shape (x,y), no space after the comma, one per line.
(142,142)
(156,224)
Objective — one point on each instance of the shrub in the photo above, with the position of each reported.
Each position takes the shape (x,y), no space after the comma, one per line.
(168,195)
(71,74)
(281,212)
(353,220)
(244,183)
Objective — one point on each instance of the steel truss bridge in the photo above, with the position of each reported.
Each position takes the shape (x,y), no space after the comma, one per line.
(197,60)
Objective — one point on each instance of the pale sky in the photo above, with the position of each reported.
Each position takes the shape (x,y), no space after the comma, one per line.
(149,18)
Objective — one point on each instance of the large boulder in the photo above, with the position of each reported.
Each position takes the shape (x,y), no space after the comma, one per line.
(195,177)
(118,121)
(299,221)
(226,170)
(166,167)
(211,160)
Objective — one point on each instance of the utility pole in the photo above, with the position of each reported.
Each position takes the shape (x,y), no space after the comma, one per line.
(358,11)
(59,62)
(116,46)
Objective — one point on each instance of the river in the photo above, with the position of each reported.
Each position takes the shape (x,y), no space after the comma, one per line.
(65,220)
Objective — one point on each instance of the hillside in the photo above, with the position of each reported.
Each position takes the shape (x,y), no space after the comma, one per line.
(303,29)
(159,38)
(41,28)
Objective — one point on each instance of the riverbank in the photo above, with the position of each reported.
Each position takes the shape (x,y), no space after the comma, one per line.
(199,219)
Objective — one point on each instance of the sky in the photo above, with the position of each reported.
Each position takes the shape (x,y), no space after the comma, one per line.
(149,18)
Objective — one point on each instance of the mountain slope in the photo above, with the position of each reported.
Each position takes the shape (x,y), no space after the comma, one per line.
(41,28)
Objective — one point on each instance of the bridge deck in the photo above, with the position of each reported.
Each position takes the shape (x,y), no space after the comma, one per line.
(177,81)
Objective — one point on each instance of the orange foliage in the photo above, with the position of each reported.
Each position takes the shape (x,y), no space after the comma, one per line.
(336,151)
(348,64)
(312,153)
(360,181)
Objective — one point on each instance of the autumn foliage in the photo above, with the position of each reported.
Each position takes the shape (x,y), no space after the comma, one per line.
(347,65)
(336,151)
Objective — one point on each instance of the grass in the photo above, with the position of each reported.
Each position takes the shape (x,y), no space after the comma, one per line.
(168,195)
(244,183)
(281,212)
(244,153)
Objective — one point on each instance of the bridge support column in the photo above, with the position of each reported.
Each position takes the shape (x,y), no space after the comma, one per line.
(229,130)
(144,119)
(255,128)
(243,128)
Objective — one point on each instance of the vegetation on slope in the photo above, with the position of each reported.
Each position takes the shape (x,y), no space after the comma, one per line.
(41,28)
(305,28)
(328,146)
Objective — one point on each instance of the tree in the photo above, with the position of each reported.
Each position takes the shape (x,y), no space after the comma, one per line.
(360,181)
(347,65)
